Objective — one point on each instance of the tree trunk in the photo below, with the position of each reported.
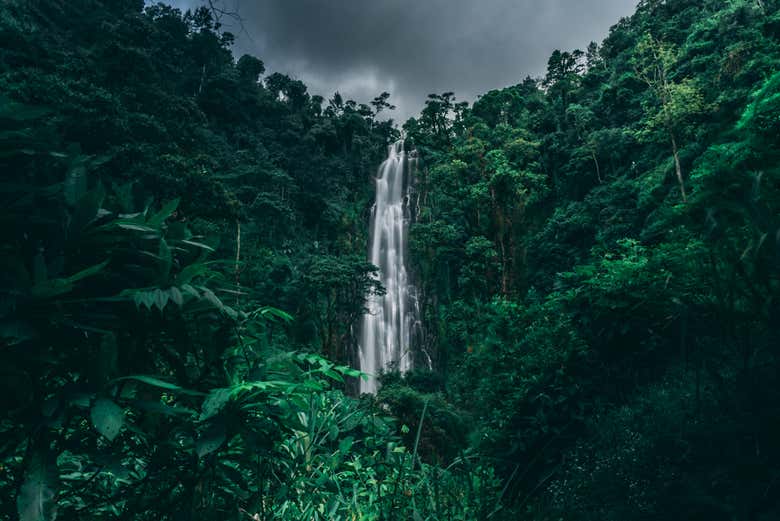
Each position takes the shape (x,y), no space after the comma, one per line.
(238,262)
(500,238)
(202,79)
(504,270)
(598,168)
(678,168)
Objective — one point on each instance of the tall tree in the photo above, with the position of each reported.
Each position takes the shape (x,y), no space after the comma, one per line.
(676,102)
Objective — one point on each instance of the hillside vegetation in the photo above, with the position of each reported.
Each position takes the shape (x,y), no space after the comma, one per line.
(183,276)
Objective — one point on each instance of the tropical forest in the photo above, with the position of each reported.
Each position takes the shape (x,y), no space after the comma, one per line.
(225,296)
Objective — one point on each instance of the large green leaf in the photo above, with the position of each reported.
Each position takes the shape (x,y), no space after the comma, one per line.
(176,296)
(211,439)
(36,499)
(214,402)
(160,299)
(107,417)
(135,227)
(212,298)
(157,298)
(166,211)
(189,290)
(162,384)
(52,288)
(197,245)
(87,272)
(272,314)
(55,287)
(143,298)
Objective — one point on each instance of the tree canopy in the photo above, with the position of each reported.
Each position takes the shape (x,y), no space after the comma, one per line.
(184,275)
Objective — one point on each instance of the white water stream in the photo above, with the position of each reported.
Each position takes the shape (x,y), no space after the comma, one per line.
(387,329)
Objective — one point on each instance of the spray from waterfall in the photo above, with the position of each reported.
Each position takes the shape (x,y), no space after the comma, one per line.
(388,329)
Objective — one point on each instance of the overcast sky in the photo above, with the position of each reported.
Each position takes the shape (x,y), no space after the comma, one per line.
(412,48)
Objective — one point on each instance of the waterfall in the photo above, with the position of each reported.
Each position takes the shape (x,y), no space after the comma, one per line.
(388,328)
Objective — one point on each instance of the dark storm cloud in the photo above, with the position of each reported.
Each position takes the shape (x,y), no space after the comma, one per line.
(415,47)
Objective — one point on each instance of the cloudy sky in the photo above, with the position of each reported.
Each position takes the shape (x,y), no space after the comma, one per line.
(412,48)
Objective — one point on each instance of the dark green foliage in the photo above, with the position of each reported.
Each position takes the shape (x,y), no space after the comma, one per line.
(156,197)
(443,434)
(599,258)
(597,254)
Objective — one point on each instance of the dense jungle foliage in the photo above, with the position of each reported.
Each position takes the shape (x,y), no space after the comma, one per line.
(183,272)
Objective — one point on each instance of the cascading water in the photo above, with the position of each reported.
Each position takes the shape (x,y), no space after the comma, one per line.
(388,328)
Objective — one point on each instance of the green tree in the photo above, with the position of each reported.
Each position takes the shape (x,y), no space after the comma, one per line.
(676,102)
